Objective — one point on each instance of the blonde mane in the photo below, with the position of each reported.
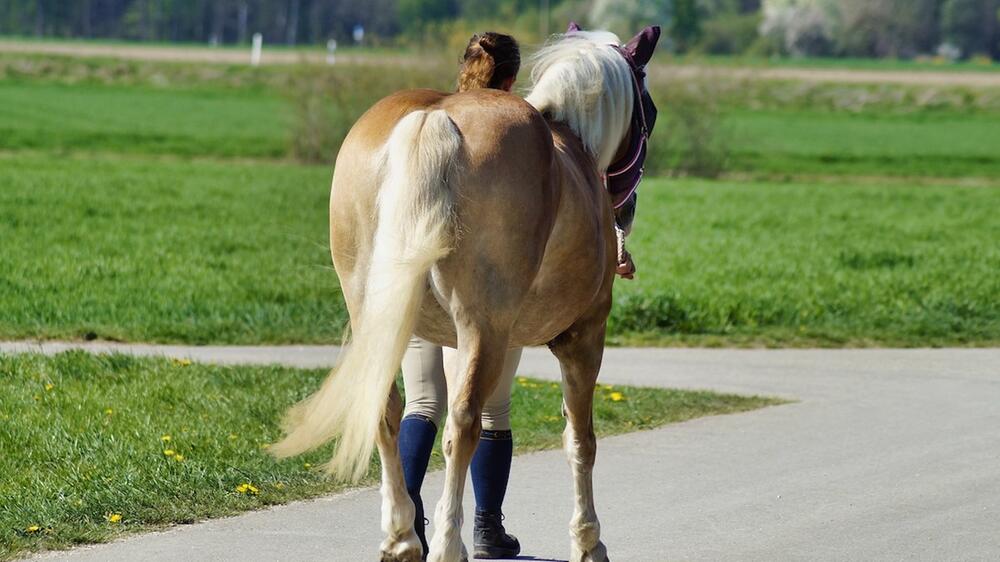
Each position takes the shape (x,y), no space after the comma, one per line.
(583,81)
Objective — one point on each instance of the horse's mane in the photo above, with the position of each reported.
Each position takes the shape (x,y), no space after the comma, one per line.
(582,80)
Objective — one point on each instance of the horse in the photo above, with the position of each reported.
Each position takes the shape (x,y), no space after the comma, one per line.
(480,221)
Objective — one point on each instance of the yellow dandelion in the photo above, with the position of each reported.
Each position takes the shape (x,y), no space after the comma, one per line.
(616,396)
(108,412)
(182,362)
(114,517)
(178,458)
(280,485)
(32,529)
(49,386)
(169,452)
(165,438)
(247,488)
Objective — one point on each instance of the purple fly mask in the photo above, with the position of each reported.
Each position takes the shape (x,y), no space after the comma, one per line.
(623,176)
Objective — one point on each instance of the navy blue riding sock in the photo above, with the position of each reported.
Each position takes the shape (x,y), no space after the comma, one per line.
(491,469)
(416,439)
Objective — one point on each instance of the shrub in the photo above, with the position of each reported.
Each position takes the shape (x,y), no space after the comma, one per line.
(729,34)
(689,138)
(327,101)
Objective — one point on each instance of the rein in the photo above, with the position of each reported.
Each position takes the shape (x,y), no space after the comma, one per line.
(623,176)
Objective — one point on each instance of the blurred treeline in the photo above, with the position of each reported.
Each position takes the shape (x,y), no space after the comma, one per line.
(949,29)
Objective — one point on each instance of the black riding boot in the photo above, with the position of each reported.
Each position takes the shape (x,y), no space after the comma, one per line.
(490,538)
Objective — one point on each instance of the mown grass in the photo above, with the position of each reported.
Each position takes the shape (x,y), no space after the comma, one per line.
(803,142)
(172,213)
(144,250)
(206,252)
(91,443)
(775,130)
(95,118)
(837,263)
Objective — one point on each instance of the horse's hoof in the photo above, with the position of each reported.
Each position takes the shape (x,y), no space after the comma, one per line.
(408,550)
(597,554)
(408,556)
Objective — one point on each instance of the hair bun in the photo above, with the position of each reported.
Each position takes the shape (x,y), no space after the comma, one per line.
(487,42)
(490,59)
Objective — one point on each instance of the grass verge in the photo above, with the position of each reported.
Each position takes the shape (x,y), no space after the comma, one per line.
(139,250)
(99,446)
(806,264)
(211,252)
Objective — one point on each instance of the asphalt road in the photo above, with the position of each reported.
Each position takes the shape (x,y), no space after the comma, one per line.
(886,455)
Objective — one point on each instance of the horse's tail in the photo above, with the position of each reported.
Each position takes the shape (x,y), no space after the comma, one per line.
(413,231)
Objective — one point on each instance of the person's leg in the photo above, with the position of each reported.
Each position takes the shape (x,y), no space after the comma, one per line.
(491,468)
(426,398)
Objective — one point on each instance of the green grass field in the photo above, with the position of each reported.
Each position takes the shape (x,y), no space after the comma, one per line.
(830,264)
(255,124)
(142,250)
(825,143)
(212,252)
(175,213)
(95,447)
(96,118)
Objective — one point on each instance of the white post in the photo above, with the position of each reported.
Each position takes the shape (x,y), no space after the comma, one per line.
(331,51)
(258,43)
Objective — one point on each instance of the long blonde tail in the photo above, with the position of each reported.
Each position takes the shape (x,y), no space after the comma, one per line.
(413,232)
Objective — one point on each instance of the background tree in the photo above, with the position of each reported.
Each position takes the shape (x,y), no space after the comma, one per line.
(625,17)
(685,28)
(873,28)
(971,25)
(801,27)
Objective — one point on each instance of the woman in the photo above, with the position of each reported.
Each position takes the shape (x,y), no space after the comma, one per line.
(491,60)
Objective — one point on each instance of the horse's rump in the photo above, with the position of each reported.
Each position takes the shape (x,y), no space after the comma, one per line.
(517,197)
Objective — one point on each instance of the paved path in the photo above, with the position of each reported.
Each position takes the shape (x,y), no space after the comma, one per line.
(888,455)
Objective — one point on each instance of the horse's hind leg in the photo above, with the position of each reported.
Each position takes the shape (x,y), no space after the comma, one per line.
(481,354)
(579,351)
(401,543)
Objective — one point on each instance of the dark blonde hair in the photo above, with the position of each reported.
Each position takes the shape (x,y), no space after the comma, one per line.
(490,60)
